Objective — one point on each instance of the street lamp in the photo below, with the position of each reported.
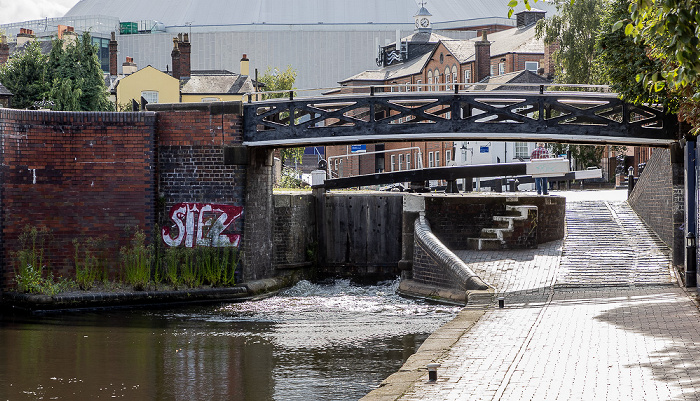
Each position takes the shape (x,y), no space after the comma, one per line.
(690,262)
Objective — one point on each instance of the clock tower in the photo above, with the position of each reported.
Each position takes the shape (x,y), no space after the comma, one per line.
(422,19)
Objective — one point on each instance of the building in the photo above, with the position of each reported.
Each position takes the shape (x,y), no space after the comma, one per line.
(5,96)
(321,39)
(180,85)
(427,61)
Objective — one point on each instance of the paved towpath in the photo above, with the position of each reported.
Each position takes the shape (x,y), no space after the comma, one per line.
(597,316)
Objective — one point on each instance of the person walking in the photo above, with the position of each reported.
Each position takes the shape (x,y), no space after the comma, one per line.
(541,183)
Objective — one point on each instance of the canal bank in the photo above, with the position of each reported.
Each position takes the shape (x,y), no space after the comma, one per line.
(580,317)
(116,298)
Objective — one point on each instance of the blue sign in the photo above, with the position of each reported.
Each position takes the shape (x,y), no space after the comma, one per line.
(483,149)
(358,149)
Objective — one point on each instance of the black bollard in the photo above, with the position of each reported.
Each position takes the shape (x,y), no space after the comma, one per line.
(432,372)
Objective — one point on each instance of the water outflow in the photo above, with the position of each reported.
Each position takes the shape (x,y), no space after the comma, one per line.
(333,341)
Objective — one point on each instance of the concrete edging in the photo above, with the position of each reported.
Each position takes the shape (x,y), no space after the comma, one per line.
(85,300)
(433,349)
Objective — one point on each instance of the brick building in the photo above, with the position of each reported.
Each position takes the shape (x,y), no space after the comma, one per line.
(426,61)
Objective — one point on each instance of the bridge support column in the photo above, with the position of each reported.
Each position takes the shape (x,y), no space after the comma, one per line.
(257,238)
(691,213)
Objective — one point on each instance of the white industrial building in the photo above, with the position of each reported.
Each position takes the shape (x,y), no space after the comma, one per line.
(324,40)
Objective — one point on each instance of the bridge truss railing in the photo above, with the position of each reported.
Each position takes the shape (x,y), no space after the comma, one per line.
(369,114)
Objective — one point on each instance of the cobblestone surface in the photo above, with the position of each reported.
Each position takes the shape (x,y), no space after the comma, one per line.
(597,316)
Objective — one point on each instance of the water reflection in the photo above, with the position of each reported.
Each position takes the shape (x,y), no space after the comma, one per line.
(312,342)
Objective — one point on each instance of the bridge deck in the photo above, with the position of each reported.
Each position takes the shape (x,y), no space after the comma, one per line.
(566,117)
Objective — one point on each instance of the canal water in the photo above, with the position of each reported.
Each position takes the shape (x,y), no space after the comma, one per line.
(333,341)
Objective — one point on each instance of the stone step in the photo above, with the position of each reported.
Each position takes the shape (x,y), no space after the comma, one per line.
(484,244)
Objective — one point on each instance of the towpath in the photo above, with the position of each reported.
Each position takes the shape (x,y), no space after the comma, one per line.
(597,316)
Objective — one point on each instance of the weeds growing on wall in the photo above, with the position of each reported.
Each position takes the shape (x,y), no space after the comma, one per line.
(137,259)
(90,261)
(31,274)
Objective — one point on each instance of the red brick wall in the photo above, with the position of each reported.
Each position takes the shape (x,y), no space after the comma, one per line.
(80,175)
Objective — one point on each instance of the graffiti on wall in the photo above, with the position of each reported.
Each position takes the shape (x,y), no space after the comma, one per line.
(202,224)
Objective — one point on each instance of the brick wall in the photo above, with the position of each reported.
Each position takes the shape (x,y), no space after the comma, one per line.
(434,264)
(658,199)
(80,175)
(455,218)
(193,169)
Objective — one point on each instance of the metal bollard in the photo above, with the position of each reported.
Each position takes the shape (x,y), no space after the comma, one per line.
(432,371)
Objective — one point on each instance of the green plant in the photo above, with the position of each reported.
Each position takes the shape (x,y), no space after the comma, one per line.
(29,275)
(191,276)
(171,262)
(137,260)
(90,263)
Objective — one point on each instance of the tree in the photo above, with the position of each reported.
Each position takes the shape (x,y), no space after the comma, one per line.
(574,28)
(70,78)
(282,82)
(25,75)
(619,57)
(669,31)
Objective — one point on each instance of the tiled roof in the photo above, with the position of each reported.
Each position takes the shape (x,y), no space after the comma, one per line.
(497,82)
(4,91)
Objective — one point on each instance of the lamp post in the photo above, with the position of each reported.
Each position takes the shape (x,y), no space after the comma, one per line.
(690,262)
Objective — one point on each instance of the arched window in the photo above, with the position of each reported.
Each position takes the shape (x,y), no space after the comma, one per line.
(448,78)
(430,80)
(437,80)
(454,74)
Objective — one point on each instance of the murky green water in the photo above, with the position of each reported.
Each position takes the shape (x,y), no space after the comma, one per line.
(313,342)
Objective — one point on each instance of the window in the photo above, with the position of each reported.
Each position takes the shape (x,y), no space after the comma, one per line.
(419,88)
(210,99)
(400,162)
(448,156)
(437,158)
(501,68)
(430,80)
(419,160)
(454,75)
(492,70)
(532,65)
(408,161)
(150,96)
(408,86)
(437,80)
(468,76)
(431,161)
(393,162)
(521,150)
(448,79)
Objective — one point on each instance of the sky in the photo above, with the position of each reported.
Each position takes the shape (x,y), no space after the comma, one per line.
(23,10)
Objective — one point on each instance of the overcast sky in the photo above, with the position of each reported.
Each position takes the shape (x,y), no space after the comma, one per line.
(23,10)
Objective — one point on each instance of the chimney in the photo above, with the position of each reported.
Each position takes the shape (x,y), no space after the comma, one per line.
(129,67)
(245,65)
(175,55)
(482,64)
(529,17)
(185,52)
(113,55)
(548,64)
(69,36)
(24,36)
(4,50)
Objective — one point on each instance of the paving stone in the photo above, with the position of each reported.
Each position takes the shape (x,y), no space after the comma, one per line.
(597,316)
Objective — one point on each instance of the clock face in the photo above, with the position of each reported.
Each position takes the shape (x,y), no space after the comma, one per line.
(424,22)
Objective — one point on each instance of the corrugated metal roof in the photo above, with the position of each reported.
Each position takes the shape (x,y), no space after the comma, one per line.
(288,12)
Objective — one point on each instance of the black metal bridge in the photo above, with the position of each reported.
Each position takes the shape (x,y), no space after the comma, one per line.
(564,117)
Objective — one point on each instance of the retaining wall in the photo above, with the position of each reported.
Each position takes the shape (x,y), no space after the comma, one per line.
(78,174)
(658,199)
